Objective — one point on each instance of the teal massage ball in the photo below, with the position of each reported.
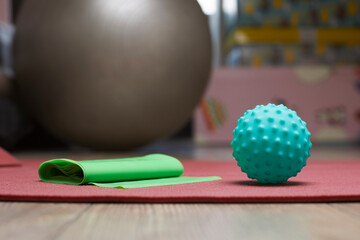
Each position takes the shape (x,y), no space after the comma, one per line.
(271,143)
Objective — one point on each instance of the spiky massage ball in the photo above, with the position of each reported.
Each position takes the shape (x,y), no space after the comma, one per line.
(271,143)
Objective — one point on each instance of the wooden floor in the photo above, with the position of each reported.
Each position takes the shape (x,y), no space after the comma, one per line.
(179,221)
(182,221)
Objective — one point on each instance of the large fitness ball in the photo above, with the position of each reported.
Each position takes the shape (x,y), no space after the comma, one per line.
(111,74)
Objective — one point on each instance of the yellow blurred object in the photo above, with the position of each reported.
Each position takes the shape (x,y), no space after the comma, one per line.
(240,37)
(249,8)
(320,49)
(277,3)
(342,36)
(294,19)
(289,56)
(257,61)
(324,15)
(324,36)
(352,8)
(266,35)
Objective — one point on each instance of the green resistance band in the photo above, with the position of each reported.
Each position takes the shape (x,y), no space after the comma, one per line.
(136,172)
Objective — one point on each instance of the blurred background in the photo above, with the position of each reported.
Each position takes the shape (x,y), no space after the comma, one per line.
(303,54)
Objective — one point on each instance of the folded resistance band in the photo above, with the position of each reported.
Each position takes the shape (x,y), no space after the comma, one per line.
(136,172)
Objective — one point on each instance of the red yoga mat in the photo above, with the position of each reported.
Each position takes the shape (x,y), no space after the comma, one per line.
(7,160)
(319,181)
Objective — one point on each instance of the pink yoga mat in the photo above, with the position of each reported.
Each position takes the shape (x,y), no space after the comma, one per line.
(319,181)
(7,160)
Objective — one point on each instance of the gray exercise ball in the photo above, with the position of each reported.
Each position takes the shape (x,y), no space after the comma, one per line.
(111,74)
